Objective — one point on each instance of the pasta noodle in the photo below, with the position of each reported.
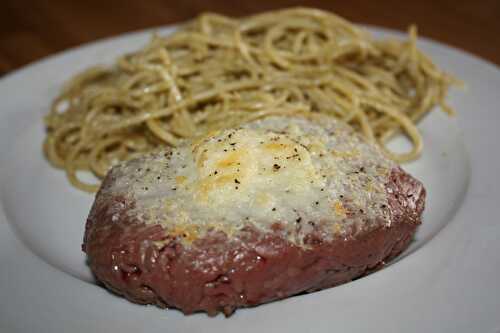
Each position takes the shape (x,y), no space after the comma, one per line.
(217,72)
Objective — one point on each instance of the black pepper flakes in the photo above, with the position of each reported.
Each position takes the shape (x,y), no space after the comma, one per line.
(274,209)
(316,203)
(276,167)
(237,181)
(298,220)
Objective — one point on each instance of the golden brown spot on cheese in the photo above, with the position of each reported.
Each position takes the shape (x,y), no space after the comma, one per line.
(276,146)
(231,159)
(202,159)
(337,228)
(339,208)
(186,232)
(207,185)
(180,180)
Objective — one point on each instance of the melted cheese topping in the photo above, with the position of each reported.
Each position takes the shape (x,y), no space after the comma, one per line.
(293,171)
(248,166)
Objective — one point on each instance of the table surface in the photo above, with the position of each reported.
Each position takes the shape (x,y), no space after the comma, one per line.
(32,29)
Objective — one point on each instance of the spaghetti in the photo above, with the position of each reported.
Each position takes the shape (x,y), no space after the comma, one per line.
(216,72)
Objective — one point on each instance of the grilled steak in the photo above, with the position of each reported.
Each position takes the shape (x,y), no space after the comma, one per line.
(244,216)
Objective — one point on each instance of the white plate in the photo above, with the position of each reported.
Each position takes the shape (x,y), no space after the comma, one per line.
(448,281)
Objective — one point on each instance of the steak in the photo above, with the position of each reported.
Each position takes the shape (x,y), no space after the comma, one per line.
(249,215)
